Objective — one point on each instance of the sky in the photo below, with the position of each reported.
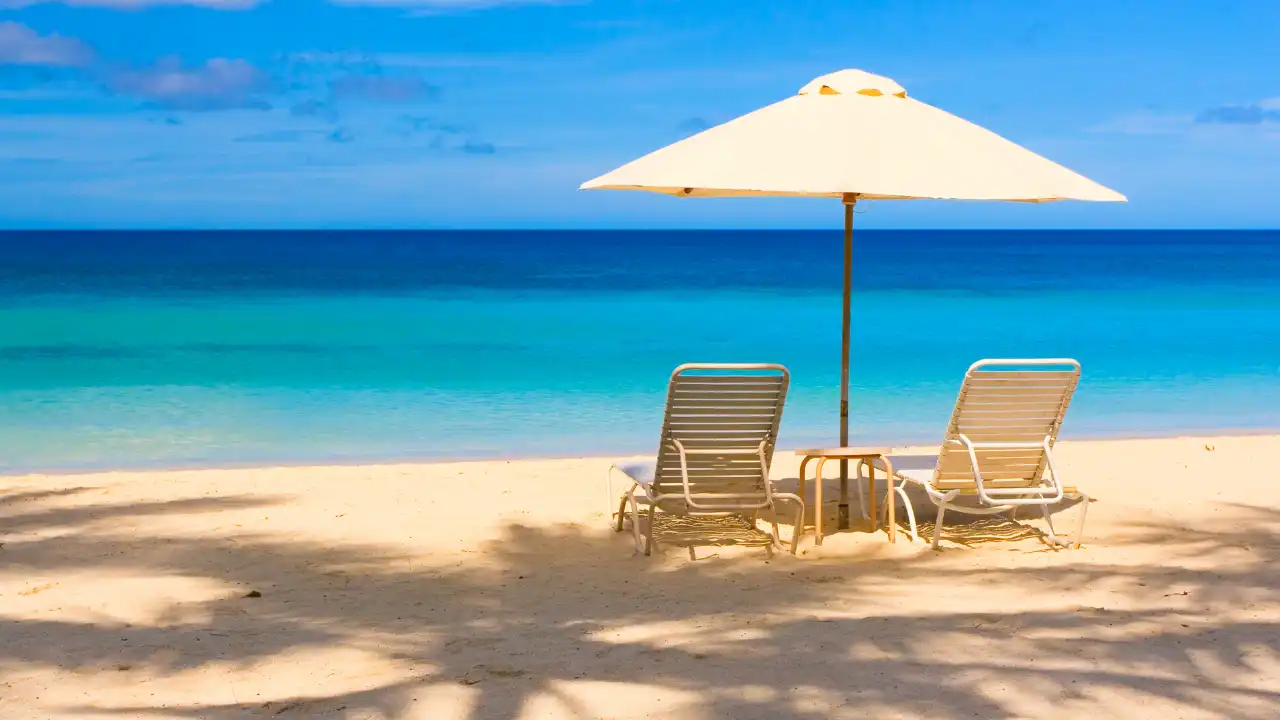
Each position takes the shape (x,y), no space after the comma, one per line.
(490,113)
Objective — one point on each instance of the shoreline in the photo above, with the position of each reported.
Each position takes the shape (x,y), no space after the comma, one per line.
(426,461)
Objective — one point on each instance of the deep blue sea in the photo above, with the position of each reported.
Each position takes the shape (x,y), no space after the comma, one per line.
(138,349)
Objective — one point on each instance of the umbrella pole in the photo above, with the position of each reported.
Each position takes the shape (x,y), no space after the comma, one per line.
(842,517)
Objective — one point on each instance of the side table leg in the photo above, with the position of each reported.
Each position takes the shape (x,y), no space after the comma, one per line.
(871,493)
(804,463)
(842,509)
(817,501)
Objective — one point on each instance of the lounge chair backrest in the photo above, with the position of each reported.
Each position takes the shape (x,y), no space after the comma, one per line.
(1018,403)
(735,408)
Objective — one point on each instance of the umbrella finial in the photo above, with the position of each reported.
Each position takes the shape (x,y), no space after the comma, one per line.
(853,82)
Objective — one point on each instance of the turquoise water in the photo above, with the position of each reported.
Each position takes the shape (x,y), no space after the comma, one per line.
(172,349)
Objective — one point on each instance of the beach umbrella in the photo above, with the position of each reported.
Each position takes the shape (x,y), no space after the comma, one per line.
(853,136)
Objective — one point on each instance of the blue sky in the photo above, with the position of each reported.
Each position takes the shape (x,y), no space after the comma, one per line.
(470,113)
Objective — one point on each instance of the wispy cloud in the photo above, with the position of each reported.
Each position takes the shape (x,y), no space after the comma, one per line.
(429,5)
(477,147)
(1258,119)
(1146,122)
(694,124)
(1265,111)
(362,60)
(383,88)
(455,5)
(611,24)
(218,84)
(135,4)
(20,45)
(409,124)
(312,108)
(277,136)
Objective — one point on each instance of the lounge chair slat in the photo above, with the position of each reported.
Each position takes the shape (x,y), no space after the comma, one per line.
(959,459)
(724,423)
(686,379)
(700,387)
(725,400)
(959,484)
(1001,387)
(694,395)
(739,415)
(982,411)
(1023,374)
(1037,393)
(988,465)
(1011,395)
(1005,416)
(970,425)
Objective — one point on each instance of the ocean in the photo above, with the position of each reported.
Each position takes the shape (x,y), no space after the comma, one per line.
(174,349)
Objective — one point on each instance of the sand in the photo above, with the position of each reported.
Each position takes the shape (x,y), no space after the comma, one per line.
(497,590)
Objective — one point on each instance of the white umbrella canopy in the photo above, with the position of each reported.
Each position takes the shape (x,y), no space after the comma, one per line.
(852,132)
(854,136)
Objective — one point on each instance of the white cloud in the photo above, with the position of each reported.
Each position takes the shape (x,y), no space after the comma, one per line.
(20,45)
(450,5)
(1220,127)
(424,5)
(403,60)
(1262,116)
(1147,123)
(136,4)
(215,85)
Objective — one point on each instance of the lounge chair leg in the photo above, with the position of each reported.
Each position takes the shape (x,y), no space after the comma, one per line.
(889,525)
(942,509)
(797,531)
(1048,521)
(635,520)
(648,542)
(622,512)
(1084,510)
(911,512)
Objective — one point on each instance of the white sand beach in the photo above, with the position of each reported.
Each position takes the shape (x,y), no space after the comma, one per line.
(497,590)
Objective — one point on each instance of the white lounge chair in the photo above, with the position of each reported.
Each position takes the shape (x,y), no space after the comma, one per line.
(717,442)
(997,453)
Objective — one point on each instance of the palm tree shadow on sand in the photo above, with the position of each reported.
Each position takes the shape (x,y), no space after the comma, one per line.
(542,609)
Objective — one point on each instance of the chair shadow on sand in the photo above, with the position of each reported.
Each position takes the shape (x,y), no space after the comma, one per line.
(692,532)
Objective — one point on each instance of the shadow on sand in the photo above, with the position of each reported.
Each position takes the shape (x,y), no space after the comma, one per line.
(520,624)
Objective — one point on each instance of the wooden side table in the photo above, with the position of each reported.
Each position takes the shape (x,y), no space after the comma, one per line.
(864,456)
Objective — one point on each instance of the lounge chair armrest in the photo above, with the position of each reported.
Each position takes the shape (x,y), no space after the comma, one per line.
(757,452)
(1000,496)
(641,473)
(965,442)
